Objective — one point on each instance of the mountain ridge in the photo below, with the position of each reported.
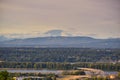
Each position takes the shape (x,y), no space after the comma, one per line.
(62,41)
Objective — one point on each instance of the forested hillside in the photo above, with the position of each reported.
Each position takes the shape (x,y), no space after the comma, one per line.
(59,55)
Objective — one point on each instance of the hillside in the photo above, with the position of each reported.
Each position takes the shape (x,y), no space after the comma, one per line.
(59,55)
(81,42)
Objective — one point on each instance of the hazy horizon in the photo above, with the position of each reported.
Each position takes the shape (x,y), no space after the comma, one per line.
(40,18)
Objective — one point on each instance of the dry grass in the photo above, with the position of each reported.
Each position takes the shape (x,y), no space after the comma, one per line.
(70,77)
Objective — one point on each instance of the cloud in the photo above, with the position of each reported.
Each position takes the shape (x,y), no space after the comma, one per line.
(49,33)
(16,35)
(98,17)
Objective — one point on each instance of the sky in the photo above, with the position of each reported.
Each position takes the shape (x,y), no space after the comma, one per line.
(38,18)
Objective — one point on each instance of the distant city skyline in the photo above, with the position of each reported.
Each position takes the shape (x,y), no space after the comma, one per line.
(39,18)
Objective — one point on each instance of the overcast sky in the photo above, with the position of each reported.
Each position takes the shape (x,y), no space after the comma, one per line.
(32,18)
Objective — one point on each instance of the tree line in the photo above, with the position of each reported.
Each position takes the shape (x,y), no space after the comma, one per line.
(58,55)
(61,66)
(4,75)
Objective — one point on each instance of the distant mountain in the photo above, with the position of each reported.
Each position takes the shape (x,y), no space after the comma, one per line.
(81,42)
(3,38)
